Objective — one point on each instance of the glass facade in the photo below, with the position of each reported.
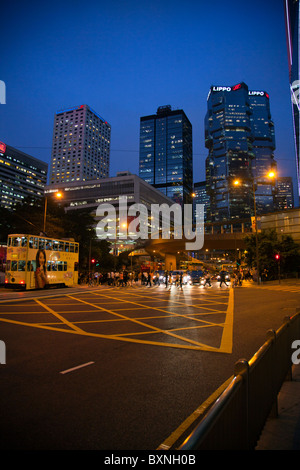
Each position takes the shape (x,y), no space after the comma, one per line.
(166,155)
(21,177)
(263,144)
(239,136)
(200,196)
(292,13)
(284,198)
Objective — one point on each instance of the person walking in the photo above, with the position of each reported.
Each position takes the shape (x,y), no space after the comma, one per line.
(207,279)
(223,277)
(180,280)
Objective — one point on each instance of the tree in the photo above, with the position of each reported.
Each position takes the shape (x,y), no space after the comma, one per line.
(270,244)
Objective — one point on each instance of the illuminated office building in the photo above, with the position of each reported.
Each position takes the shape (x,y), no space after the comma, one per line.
(284,197)
(166,153)
(80,146)
(200,196)
(292,13)
(239,135)
(22,177)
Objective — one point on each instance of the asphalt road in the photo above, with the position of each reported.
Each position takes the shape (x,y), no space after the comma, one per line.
(123,368)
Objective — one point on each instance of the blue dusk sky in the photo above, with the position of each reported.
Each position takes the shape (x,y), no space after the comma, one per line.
(126,58)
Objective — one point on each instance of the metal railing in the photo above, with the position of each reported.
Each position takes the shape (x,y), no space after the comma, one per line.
(237,417)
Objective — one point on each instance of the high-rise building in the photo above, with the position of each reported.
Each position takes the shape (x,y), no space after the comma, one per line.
(200,196)
(292,14)
(239,135)
(21,177)
(263,145)
(80,146)
(166,153)
(284,198)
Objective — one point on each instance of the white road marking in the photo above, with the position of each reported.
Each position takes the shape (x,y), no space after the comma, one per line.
(77,367)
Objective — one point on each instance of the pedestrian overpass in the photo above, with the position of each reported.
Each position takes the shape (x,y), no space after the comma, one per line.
(219,236)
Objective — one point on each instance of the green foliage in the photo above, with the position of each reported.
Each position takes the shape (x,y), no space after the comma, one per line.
(270,244)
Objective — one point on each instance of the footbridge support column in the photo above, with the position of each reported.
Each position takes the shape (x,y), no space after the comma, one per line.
(170,262)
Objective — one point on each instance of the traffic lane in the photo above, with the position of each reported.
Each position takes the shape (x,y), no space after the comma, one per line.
(127,386)
(259,309)
(130,397)
(145,390)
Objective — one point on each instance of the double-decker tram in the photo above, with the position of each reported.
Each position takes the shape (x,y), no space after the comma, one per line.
(38,262)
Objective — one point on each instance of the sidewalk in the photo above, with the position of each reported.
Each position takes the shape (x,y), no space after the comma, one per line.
(283,432)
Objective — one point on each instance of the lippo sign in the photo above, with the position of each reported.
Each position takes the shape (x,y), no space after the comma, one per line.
(163,218)
(236,87)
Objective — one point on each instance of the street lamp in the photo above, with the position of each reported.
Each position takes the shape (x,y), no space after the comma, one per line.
(58,195)
(271,174)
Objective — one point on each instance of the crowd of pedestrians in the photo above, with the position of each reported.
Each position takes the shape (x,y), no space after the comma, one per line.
(123,278)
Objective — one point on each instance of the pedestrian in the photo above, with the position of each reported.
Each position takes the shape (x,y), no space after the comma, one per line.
(207,279)
(170,281)
(180,280)
(223,277)
(166,278)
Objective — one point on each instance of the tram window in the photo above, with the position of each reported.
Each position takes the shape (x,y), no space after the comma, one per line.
(71,247)
(21,266)
(61,246)
(16,241)
(9,241)
(65,266)
(14,265)
(24,241)
(55,245)
(60,266)
(67,247)
(48,265)
(76,247)
(41,244)
(48,244)
(54,266)
(33,243)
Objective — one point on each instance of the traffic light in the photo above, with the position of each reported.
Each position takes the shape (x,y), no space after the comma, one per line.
(277,257)
(93,260)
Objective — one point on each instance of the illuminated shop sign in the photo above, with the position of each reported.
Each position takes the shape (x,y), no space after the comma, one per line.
(2,147)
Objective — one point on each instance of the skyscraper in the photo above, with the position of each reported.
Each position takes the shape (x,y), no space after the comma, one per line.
(166,153)
(21,177)
(200,197)
(292,13)
(239,135)
(80,146)
(263,144)
(284,198)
